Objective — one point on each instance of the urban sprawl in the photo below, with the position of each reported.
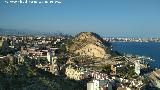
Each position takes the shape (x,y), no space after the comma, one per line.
(81,58)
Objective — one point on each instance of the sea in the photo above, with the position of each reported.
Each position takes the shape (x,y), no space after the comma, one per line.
(149,49)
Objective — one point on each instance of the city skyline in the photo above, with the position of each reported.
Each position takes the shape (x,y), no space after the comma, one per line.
(123,18)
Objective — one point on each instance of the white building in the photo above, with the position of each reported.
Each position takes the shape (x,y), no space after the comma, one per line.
(93,85)
(99,85)
(137,67)
(54,68)
(52,59)
(50,56)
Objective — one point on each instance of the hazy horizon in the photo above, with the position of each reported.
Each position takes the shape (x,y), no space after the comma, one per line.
(118,18)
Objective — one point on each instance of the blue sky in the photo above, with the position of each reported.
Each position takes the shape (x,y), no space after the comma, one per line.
(124,18)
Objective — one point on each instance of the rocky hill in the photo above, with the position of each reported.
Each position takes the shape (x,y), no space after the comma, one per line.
(91,45)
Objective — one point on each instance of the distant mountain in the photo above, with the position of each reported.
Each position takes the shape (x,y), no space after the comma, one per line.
(30,32)
(12,32)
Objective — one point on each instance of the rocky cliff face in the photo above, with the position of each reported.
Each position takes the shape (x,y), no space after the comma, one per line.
(91,45)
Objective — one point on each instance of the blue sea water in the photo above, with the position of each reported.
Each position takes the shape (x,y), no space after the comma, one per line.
(150,49)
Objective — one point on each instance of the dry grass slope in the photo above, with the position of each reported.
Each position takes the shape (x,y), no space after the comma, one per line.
(90,44)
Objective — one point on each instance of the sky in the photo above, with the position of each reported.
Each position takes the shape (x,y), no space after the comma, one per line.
(109,18)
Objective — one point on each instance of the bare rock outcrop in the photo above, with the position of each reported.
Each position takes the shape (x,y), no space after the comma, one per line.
(91,45)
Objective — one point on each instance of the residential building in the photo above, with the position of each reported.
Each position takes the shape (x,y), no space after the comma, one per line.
(137,67)
(99,85)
